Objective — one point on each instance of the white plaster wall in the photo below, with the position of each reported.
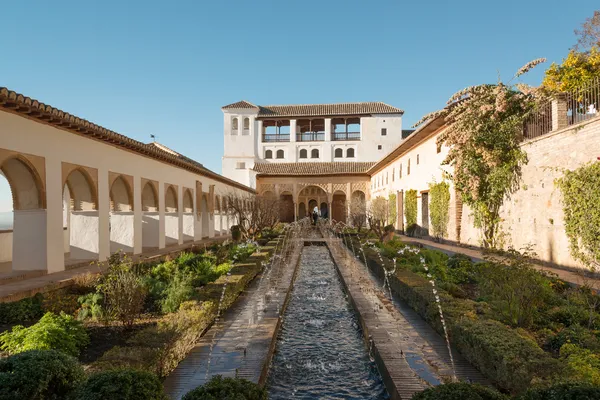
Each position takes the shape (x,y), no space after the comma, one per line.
(150,229)
(188,227)
(121,232)
(84,235)
(171,228)
(6,241)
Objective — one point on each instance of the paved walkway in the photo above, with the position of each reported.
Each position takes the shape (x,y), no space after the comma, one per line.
(477,255)
(27,287)
(413,355)
(244,339)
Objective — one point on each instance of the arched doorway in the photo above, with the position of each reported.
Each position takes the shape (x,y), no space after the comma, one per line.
(301,210)
(83,219)
(23,217)
(358,209)
(312,196)
(188,215)
(121,216)
(338,205)
(324,210)
(171,216)
(286,207)
(205,216)
(150,231)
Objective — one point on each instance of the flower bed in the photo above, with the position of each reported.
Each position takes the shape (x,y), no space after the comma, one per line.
(515,349)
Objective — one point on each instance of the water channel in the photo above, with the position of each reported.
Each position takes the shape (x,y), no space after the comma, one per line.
(320,350)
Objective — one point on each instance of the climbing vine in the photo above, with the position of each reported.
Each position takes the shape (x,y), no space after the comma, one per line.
(484,131)
(439,208)
(410,210)
(392,212)
(581,206)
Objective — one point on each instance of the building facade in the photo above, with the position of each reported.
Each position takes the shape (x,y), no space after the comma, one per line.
(317,133)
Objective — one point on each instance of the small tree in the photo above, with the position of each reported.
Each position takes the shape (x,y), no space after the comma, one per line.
(576,70)
(377,215)
(589,34)
(410,210)
(253,214)
(439,208)
(358,212)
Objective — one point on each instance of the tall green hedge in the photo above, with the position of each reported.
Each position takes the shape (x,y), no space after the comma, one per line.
(410,209)
(392,211)
(439,208)
(581,206)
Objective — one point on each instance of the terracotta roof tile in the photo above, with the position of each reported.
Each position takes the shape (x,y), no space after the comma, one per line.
(238,105)
(32,109)
(308,110)
(313,168)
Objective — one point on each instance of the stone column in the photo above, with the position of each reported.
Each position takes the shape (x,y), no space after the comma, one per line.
(560,119)
(293,133)
(348,196)
(327,129)
(103,215)
(137,215)
(50,255)
(161,215)
(295,211)
(260,130)
(180,214)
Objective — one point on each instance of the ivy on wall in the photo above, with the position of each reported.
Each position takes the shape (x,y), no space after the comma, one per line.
(439,208)
(581,206)
(392,211)
(410,210)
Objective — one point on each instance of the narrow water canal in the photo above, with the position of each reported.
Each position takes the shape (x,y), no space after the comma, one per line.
(320,350)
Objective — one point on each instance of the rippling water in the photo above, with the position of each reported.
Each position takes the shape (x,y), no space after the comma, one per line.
(320,350)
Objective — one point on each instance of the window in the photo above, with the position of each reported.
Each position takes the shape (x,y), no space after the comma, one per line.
(234,124)
(378,147)
(280,154)
(408,168)
(400,171)
(246,123)
(350,153)
(240,165)
(439,148)
(338,153)
(393,173)
(417,159)
(387,176)
(303,153)
(383,131)
(314,153)
(269,154)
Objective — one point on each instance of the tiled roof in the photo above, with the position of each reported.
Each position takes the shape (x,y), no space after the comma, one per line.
(317,110)
(313,168)
(238,105)
(32,109)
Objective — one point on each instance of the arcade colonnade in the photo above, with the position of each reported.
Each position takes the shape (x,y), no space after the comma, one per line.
(85,196)
(301,196)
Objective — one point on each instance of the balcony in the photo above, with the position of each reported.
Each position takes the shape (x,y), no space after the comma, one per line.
(310,137)
(345,136)
(269,138)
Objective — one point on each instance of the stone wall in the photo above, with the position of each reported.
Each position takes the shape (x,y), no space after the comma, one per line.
(534,215)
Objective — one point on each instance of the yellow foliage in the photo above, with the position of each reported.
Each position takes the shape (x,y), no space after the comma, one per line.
(576,70)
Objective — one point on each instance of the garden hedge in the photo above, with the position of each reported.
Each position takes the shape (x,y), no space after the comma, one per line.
(219,388)
(510,360)
(459,391)
(122,384)
(564,391)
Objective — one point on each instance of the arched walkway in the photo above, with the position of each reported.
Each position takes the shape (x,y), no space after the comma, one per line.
(121,216)
(217,216)
(83,219)
(188,215)
(286,207)
(312,196)
(27,242)
(171,216)
(339,207)
(150,231)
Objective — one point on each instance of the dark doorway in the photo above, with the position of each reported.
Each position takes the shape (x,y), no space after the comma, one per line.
(425,213)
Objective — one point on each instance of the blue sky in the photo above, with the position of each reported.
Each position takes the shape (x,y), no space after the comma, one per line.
(166,67)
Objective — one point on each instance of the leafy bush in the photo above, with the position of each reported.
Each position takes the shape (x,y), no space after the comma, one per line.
(52,332)
(459,391)
(122,384)
(61,300)
(124,294)
(392,211)
(180,289)
(241,252)
(28,309)
(575,334)
(91,307)
(410,210)
(219,388)
(39,375)
(439,208)
(461,269)
(583,363)
(564,391)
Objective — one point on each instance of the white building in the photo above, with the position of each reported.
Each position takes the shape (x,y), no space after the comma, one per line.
(306,133)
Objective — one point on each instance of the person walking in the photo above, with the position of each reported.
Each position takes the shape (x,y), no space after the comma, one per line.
(315,215)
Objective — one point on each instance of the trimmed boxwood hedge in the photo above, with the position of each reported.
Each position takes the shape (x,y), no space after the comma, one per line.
(564,391)
(512,361)
(122,384)
(459,391)
(219,388)
(39,375)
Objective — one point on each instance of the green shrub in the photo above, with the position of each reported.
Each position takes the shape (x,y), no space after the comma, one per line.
(61,300)
(91,307)
(52,332)
(564,391)
(39,375)
(439,208)
(180,289)
(28,309)
(575,334)
(410,210)
(124,294)
(584,364)
(459,391)
(219,388)
(122,384)
(461,269)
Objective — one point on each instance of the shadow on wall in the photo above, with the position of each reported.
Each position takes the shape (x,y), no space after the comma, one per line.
(150,230)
